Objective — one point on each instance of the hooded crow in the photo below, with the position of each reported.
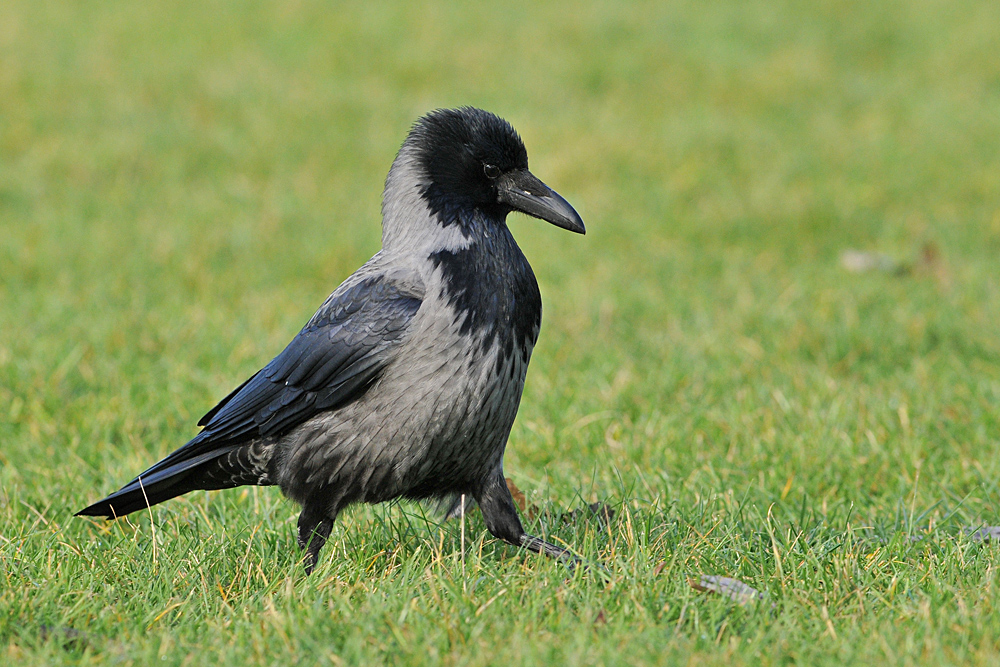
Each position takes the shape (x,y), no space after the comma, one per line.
(406,381)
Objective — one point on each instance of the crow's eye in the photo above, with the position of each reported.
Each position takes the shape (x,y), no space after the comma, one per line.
(491,171)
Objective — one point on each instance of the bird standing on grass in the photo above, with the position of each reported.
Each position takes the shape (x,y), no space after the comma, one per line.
(406,381)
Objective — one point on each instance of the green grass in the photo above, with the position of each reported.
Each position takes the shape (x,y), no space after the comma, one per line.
(181,184)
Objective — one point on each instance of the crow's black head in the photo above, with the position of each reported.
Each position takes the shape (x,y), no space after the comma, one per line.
(464,151)
(474,160)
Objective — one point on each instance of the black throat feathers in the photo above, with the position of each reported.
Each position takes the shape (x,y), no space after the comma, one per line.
(492,288)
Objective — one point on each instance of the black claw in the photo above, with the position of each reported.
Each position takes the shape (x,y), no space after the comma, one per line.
(565,556)
(540,546)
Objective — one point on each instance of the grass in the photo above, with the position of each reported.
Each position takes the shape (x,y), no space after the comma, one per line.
(181,184)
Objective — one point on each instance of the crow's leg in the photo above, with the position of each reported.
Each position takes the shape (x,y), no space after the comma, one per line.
(314,529)
(502,521)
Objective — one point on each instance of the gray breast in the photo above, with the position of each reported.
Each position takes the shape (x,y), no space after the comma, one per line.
(436,422)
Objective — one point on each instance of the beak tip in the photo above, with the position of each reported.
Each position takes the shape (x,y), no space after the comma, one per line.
(525,193)
(571,221)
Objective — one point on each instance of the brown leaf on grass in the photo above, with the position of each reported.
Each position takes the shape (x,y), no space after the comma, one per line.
(516,494)
(659,568)
(604,513)
(519,499)
(931,261)
(600,619)
(930,255)
(734,589)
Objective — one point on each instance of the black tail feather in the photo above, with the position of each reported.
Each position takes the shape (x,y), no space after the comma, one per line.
(135,497)
(220,469)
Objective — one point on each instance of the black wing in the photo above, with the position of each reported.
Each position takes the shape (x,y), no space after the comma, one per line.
(335,357)
(332,361)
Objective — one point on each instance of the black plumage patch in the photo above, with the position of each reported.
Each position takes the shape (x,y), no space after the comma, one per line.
(492,288)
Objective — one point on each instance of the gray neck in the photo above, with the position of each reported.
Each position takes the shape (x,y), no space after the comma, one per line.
(408,226)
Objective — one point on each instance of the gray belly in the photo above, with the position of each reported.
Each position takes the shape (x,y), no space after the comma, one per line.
(436,423)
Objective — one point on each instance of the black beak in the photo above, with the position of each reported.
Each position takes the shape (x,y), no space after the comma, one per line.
(523,192)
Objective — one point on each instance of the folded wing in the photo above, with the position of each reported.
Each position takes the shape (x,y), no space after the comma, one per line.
(332,361)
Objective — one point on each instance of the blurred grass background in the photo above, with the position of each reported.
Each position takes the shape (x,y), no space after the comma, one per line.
(182,184)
